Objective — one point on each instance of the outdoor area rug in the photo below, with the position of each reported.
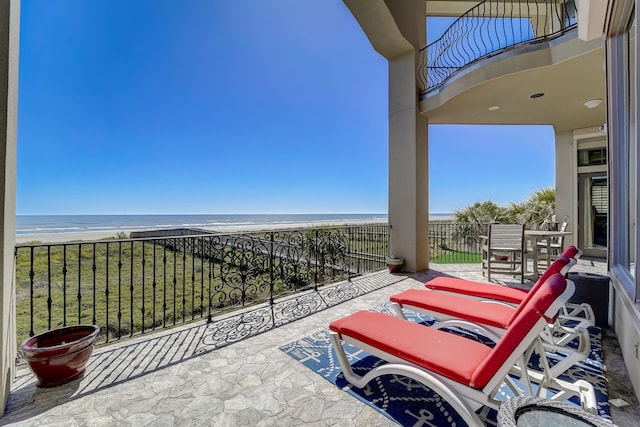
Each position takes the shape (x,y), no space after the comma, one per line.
(410,403)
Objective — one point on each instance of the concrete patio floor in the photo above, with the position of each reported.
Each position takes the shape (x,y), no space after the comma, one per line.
(181,377)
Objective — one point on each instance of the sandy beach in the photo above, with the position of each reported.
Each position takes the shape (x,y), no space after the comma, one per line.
(64,237)
(98,235)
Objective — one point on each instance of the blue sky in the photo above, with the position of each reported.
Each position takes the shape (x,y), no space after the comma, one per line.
(228,106)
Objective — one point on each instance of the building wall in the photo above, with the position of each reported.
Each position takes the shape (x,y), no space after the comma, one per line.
(626,323)
(9,47)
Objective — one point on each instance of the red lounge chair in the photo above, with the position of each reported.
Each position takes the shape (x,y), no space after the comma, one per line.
(466,373)
(484,291)
(572,252)
(492,318)
(581,315)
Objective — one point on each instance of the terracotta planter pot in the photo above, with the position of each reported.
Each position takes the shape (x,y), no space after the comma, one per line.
(60,355)
(395,264)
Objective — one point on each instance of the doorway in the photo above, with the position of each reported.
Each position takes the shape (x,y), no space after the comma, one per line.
(593,211)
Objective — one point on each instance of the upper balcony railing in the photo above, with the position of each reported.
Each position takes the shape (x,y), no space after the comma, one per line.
(489,28)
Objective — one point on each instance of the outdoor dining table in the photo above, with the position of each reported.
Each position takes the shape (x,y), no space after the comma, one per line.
(535,236)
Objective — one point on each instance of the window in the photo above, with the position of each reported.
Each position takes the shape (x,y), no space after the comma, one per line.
(592,157)
(633,164)
(621,142)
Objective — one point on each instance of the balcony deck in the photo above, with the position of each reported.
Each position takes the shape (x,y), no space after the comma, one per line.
(183,377)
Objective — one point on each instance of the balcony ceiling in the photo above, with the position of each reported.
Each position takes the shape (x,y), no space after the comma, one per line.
(566,84)
(453,8)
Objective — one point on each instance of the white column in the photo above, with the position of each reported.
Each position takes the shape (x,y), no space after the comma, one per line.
(9,47)
(408,166)
(397,30)
(566,183)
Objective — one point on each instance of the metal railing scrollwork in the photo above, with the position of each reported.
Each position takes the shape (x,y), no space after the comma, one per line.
(489,28)
(134,286)
(131,286)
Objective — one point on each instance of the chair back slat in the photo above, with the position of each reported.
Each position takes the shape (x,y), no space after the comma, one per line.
(503,250)
(506,236)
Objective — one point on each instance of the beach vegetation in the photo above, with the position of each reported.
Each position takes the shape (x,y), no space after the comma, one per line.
(130,286)
(535,212)
(453,257)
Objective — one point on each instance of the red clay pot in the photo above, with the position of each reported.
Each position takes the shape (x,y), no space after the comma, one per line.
(60,355)
(395,264)
(394,268)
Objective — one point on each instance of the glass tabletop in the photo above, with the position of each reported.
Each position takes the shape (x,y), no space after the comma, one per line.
(540,416)
(531,411)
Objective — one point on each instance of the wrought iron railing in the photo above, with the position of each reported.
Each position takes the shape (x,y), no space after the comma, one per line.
(132,286)
(489,28)
(455,243)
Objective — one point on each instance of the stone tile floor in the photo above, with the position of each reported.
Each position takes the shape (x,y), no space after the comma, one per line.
(183,377)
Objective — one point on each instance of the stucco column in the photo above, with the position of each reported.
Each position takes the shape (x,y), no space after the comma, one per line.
(566,183)
(397,30)
(9,47)
(408,166)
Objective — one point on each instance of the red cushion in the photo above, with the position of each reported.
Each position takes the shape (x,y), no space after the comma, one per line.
(489,291)
(477,289)
(570,252)
(460,359)
(463,308)
(447,354)
(531,312)
(553,269)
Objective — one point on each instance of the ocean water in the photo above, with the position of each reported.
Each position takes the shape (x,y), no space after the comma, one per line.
(58,224)
(27,225)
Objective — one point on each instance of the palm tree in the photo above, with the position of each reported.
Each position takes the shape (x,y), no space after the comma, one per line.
(480,213)
(470,221)
(536,211)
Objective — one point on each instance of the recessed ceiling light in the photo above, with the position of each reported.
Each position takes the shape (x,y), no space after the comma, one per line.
(593,103)
(537,95)
(494,108)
